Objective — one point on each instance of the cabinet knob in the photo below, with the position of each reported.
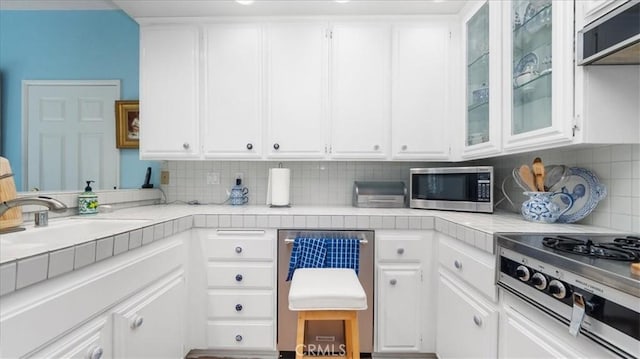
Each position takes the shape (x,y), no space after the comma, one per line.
(249,146)
(477,320)
(136,322)
(238,277)
(186,145)
(238,307)
(404,147)
(393,282)
(238,338)
(457,264)
(400,251)
(94,352)
(238,249)
(376,147)
(276,146)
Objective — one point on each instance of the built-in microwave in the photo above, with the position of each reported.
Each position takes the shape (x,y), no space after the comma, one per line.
(466,189)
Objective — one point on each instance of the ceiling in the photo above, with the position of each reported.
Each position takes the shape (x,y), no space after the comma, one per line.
(203,8)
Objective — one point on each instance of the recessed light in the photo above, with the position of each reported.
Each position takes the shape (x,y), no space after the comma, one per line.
(245,2)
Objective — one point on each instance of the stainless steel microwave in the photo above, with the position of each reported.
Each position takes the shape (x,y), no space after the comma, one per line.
(468,189)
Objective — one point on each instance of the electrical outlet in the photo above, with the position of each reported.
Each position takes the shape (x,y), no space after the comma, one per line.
(240,175)
(164,177)
(213,178)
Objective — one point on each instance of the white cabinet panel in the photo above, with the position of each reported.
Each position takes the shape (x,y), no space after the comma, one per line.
(249,336)
(239,305)
(91,341)
(461,316)
(360,90)
(399,321)
(420,108)
(169,92)
(297,100)
(232,123)
(234,276)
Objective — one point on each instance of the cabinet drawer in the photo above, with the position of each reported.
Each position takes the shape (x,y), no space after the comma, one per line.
(239,305)
(474,266)
(246,336)
(240,246)
(400,248)
(233,275)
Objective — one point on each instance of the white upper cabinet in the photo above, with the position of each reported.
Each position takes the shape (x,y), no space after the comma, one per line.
(481,33)
(169,92)
(360,90)
(297,90)
(233,91)
(538,77)
(420,105)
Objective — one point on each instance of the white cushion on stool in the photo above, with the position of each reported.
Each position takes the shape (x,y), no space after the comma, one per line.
(326,289)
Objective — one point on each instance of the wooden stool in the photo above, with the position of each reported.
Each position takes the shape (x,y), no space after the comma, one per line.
(328,294)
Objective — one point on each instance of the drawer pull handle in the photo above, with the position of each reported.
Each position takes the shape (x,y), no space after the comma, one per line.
(186,145)
(457,264)
(238,338)
(238,249)
(137,322)
(238,307)
(276,146)
(95,352)
(249,146)
(238,277)
(400,251)
(393,282)
(477,320)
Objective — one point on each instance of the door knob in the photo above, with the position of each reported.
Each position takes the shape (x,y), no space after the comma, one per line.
(249,146)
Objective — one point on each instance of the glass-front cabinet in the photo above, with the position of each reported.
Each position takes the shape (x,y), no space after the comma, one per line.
(482,78)
(539,47)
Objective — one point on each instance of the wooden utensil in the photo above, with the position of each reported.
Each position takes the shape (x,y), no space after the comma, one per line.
(12,217)
(526,176)
(538,171)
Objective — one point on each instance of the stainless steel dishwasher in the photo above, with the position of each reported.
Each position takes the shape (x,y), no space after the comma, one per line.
(325,334)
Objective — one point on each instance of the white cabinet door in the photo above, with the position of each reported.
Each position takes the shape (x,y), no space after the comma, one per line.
(420,115)
(169,77)
(359,91)
(297,86)
(463,317)
(232,122)
(151,324)
(91,341)
(399,291)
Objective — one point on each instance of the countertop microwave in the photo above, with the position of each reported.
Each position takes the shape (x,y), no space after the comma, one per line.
(468,189)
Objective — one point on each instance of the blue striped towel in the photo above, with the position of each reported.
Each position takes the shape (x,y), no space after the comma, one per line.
(307,253)
(343,253)
(324,253)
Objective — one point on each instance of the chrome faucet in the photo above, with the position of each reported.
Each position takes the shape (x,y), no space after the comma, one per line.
(51,203)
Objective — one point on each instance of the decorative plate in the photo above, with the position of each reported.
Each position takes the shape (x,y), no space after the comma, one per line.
(585,189)
(528,63)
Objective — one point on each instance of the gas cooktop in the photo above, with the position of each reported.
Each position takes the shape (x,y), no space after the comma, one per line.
(605,258)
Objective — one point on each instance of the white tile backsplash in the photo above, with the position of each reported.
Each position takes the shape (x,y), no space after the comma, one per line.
(32,270)
(61,261)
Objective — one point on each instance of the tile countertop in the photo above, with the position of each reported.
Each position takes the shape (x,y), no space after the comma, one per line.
(324,217)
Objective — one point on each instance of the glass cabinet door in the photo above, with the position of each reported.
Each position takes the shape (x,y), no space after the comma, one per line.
(532,63)
(477,48)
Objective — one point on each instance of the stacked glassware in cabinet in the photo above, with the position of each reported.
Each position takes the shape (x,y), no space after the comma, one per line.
(477,29)
(532,65)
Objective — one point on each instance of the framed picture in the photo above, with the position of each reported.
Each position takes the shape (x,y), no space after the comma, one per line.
(127,124)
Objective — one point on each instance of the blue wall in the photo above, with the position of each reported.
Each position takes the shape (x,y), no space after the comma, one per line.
(67,45)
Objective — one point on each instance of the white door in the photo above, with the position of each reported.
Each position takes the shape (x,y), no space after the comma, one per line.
(297,109)
(232,123)
(420,115)
(360,90)
(70,135)
(169,96)
(399,303)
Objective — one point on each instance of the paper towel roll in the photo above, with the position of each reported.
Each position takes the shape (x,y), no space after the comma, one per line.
(278,187)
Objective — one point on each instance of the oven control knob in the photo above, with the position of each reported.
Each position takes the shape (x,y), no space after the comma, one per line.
(522,273)
(539,281)
(557,289)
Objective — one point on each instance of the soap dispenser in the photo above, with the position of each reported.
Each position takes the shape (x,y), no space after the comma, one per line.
(88,201)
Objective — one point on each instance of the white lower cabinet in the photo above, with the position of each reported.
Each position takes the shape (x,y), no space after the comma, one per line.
(91,341)
(240,286)
(464,316)
(405,310)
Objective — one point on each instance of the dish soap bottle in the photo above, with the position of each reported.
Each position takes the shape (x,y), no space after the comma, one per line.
(88,201)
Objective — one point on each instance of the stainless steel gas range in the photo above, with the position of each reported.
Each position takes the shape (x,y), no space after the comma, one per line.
(583,281)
